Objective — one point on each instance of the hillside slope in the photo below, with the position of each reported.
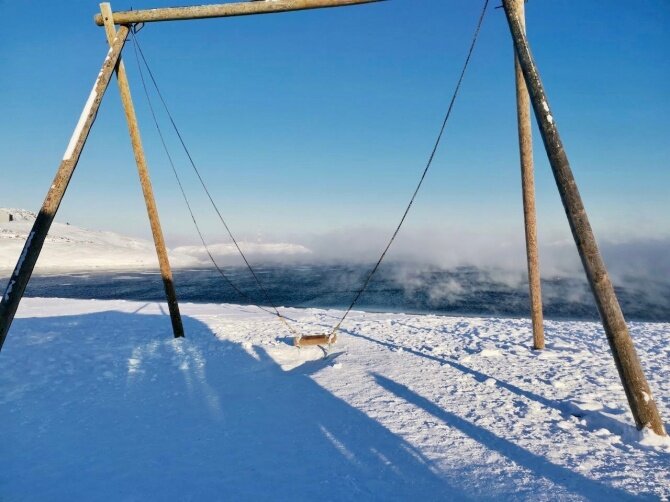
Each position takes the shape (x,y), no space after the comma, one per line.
(70,248)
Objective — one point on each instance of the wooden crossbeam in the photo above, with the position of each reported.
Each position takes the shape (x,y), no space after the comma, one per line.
(223,10)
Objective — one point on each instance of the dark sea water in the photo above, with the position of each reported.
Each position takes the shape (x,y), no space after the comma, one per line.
(395,288)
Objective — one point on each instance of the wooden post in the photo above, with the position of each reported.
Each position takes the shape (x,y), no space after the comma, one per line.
(145,181)
(635,384)
(33,245)
(528,189)
(223,10)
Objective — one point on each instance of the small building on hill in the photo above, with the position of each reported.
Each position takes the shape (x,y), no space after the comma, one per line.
(6,216)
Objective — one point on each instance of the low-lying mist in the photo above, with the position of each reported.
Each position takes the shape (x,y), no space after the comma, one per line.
(457,272)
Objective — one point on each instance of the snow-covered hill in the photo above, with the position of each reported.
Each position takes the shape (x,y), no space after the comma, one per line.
(99,402)
(70,248)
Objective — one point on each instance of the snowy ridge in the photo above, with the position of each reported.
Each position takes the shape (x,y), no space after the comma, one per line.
(405,407)
(70,248)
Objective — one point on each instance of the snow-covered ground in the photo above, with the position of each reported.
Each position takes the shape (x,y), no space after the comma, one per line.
(71,248)
(98,402)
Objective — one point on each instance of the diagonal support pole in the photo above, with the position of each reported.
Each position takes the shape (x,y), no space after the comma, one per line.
(145,180)
(33,246)
(635,384)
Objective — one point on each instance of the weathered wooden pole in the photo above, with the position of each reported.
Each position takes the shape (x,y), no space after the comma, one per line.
(528,190)
(223,10)
(33,246)
(145,180)
(635,384)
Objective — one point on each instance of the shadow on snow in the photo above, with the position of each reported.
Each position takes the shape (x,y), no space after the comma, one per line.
(108,404)
(573,481)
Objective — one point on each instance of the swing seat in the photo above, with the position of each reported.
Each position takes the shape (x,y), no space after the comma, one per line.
(311,340)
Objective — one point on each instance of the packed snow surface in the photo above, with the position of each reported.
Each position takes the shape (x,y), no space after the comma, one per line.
(99,402)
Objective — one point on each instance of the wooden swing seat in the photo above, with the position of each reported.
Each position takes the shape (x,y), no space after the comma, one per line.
(310,340)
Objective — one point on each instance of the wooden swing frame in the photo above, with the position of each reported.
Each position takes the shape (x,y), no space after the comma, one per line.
(529,85)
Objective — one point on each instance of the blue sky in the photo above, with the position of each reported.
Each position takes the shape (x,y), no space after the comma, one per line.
(316,122)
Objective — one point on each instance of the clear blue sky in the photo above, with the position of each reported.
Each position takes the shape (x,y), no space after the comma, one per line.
(317,121)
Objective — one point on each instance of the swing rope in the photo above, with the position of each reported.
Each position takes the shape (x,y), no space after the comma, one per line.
(359,293)
(366,282)
(223,275)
